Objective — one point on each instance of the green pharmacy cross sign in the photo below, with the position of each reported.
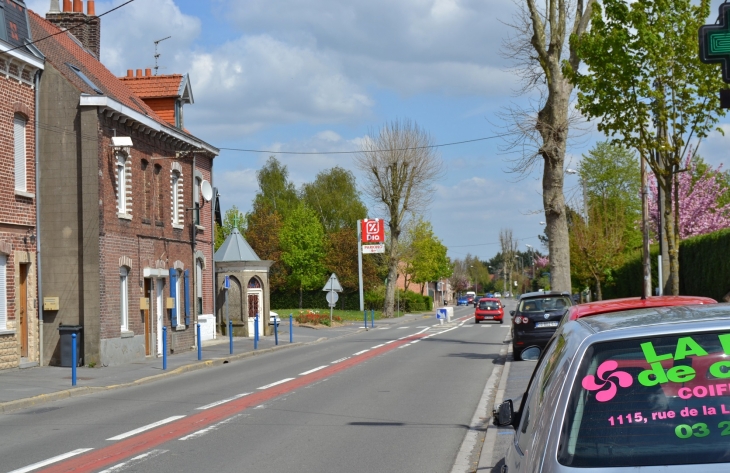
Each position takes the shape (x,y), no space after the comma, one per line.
(715,42)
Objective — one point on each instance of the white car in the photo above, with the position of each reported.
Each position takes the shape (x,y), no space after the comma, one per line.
(274,318)
(497,294)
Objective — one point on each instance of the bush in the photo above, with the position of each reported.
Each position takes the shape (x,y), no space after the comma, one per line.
(315,318)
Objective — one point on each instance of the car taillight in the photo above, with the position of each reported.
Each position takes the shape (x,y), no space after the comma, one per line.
(518,320)
(525,319)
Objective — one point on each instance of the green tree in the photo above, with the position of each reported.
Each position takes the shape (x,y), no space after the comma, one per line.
(427,257)
(263,230)
(302,241)
(276,193)
(334,196)
(233,218)
(645,83)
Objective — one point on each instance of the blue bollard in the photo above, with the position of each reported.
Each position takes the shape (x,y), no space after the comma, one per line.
(200,349)
(291,333)
(230,337)
(256,332)
(164,348)
(372,317)
(74,359)
(365,317)
(276,331)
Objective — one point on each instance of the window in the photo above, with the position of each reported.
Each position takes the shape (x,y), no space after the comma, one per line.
(199,285)
(179,307)
(121,184)
(160,194)
(147,194)
(3,32)
(20,153)
(3,293)
(196,200)
(176,198)
(124,297)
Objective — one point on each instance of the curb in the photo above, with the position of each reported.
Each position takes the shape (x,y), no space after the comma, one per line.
(84,390)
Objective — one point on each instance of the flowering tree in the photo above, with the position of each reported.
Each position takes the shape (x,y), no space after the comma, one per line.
(542,261)
(699,195)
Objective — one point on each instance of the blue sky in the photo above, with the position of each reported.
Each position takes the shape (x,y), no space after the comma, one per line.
(318,75)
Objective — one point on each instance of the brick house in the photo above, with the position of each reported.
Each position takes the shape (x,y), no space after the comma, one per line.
(122,246)
(20,68)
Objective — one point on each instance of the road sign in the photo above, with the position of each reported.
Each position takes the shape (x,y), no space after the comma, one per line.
(441,314)
(333,284)
(226,282)
(373,230)
(332,298)
(715,42)
(370,249)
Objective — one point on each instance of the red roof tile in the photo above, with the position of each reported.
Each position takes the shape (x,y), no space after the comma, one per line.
(154,86)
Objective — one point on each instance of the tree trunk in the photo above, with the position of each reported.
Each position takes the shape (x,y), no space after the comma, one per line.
(300,296)
(599,293)
(672,240)
(390,288)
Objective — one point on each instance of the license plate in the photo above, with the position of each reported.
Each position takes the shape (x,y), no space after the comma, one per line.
(546,324)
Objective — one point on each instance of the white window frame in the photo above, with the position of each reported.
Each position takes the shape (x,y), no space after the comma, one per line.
(199,284)
(3,292)
(175,184)
(180,299)
(121,183)
(20,151)
(124,297)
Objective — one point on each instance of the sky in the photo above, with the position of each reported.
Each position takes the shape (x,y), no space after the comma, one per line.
(290,75)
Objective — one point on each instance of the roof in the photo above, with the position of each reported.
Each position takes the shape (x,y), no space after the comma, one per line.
(543,294)
(235,248)
(629,303)
(162,86)
(655,317)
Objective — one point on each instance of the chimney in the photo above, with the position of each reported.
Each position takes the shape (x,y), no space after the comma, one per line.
(90,10)
(148,72)
(87,29)
(130,73)
(139,72)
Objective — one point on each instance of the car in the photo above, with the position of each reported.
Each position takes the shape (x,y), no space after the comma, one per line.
(497,295)
(489,294)
(469,299)
(489,309)
(644,390)
(536,318)
(628,303)
(463,300)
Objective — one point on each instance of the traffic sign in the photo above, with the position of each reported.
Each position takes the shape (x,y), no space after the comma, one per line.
(332,298)
(226,282)
(370,249)
(715,42)
(333,284)
(441,314)
(373,230)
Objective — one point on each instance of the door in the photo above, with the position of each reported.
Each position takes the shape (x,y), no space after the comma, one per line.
(23,300)
(254,307)
(159,310)
(147,316)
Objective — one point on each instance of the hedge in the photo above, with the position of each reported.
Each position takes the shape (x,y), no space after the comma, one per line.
(704,268)
(409,300)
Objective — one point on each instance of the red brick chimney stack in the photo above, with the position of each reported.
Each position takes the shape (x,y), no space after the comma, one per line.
(87,29)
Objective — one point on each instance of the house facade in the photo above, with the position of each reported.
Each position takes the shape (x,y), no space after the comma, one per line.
(20,68)
(127,235)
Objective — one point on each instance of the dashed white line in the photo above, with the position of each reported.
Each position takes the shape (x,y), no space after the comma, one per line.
(388,343)
(423,326)
(341,359)
(146,427)
(206,430)
(313,370)
(218,403)
(415,341)
(361,352)
(281,381)
(50,461)
(403,328)
(378,346)
(383,328)
(134,461)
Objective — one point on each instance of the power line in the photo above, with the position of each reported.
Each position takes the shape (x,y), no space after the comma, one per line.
(364,151)
(86,22)
(490,244)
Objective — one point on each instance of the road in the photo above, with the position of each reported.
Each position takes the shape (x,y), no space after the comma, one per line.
(400,399)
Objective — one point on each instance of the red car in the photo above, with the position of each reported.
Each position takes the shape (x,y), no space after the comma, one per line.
(616,305)
(489,308)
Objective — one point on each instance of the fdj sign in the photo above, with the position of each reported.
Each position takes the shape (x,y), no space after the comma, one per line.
(715,42)
(373,230)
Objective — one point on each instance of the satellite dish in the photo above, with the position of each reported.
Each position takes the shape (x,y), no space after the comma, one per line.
(206,190)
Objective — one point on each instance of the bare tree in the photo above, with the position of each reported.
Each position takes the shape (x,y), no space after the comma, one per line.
(400,165)
(538,48)
(509,250)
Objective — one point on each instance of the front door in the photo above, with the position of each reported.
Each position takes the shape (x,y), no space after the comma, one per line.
(23,299)
(254,307)
(146,315)
(158,314)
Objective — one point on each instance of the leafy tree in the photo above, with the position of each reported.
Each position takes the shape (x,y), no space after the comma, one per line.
(303,248)
(262,233)
(645,83)
(429,261)
(233,218)
(700,196)
(341,259)
(334,196)
(276,193)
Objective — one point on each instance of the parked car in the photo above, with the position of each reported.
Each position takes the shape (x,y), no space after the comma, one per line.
(490,294)
(489,309)
(463,300)
(643,390)
(470,298)
(536,318)
(497,294)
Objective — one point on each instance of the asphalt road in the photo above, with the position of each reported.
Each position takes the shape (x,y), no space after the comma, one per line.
(399,399)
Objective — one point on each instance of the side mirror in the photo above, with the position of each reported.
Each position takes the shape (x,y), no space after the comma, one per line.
(504,414)
(512,313)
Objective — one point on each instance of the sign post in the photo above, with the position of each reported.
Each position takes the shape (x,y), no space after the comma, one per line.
(368,231)
(332,288)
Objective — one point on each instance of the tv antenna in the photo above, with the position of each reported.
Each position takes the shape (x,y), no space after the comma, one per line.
(157,55)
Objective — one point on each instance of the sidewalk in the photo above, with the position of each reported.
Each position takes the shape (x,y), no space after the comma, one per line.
(23,388)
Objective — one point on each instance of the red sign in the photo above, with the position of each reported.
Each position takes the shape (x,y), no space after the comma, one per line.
(373,230)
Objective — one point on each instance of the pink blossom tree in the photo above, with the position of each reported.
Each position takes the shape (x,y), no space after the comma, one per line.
(542,261)
(699,209)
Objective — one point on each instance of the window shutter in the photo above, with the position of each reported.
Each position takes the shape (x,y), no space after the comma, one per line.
(3,293)
(187,296)
(19,132)
(173,294)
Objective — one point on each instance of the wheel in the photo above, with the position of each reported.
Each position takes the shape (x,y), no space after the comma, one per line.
(476,321)
(501,321)
(515,354)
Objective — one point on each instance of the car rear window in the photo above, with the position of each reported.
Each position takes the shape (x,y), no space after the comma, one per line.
(542,304)
(653,401)
(489,305)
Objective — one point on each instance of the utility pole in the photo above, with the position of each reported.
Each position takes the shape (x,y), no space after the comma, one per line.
(646,286)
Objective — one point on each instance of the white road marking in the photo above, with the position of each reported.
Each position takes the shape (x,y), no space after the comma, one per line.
(281,381)
(361,352)
(415,341)
(341,359)
(378,346)
(50,461)
(218,403)
(423,326)
(312,371)
(146,427)
(388,343)
(403,328)
(134,461)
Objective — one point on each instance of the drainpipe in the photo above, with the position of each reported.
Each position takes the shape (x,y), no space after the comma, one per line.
(39,283)
(194,269)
